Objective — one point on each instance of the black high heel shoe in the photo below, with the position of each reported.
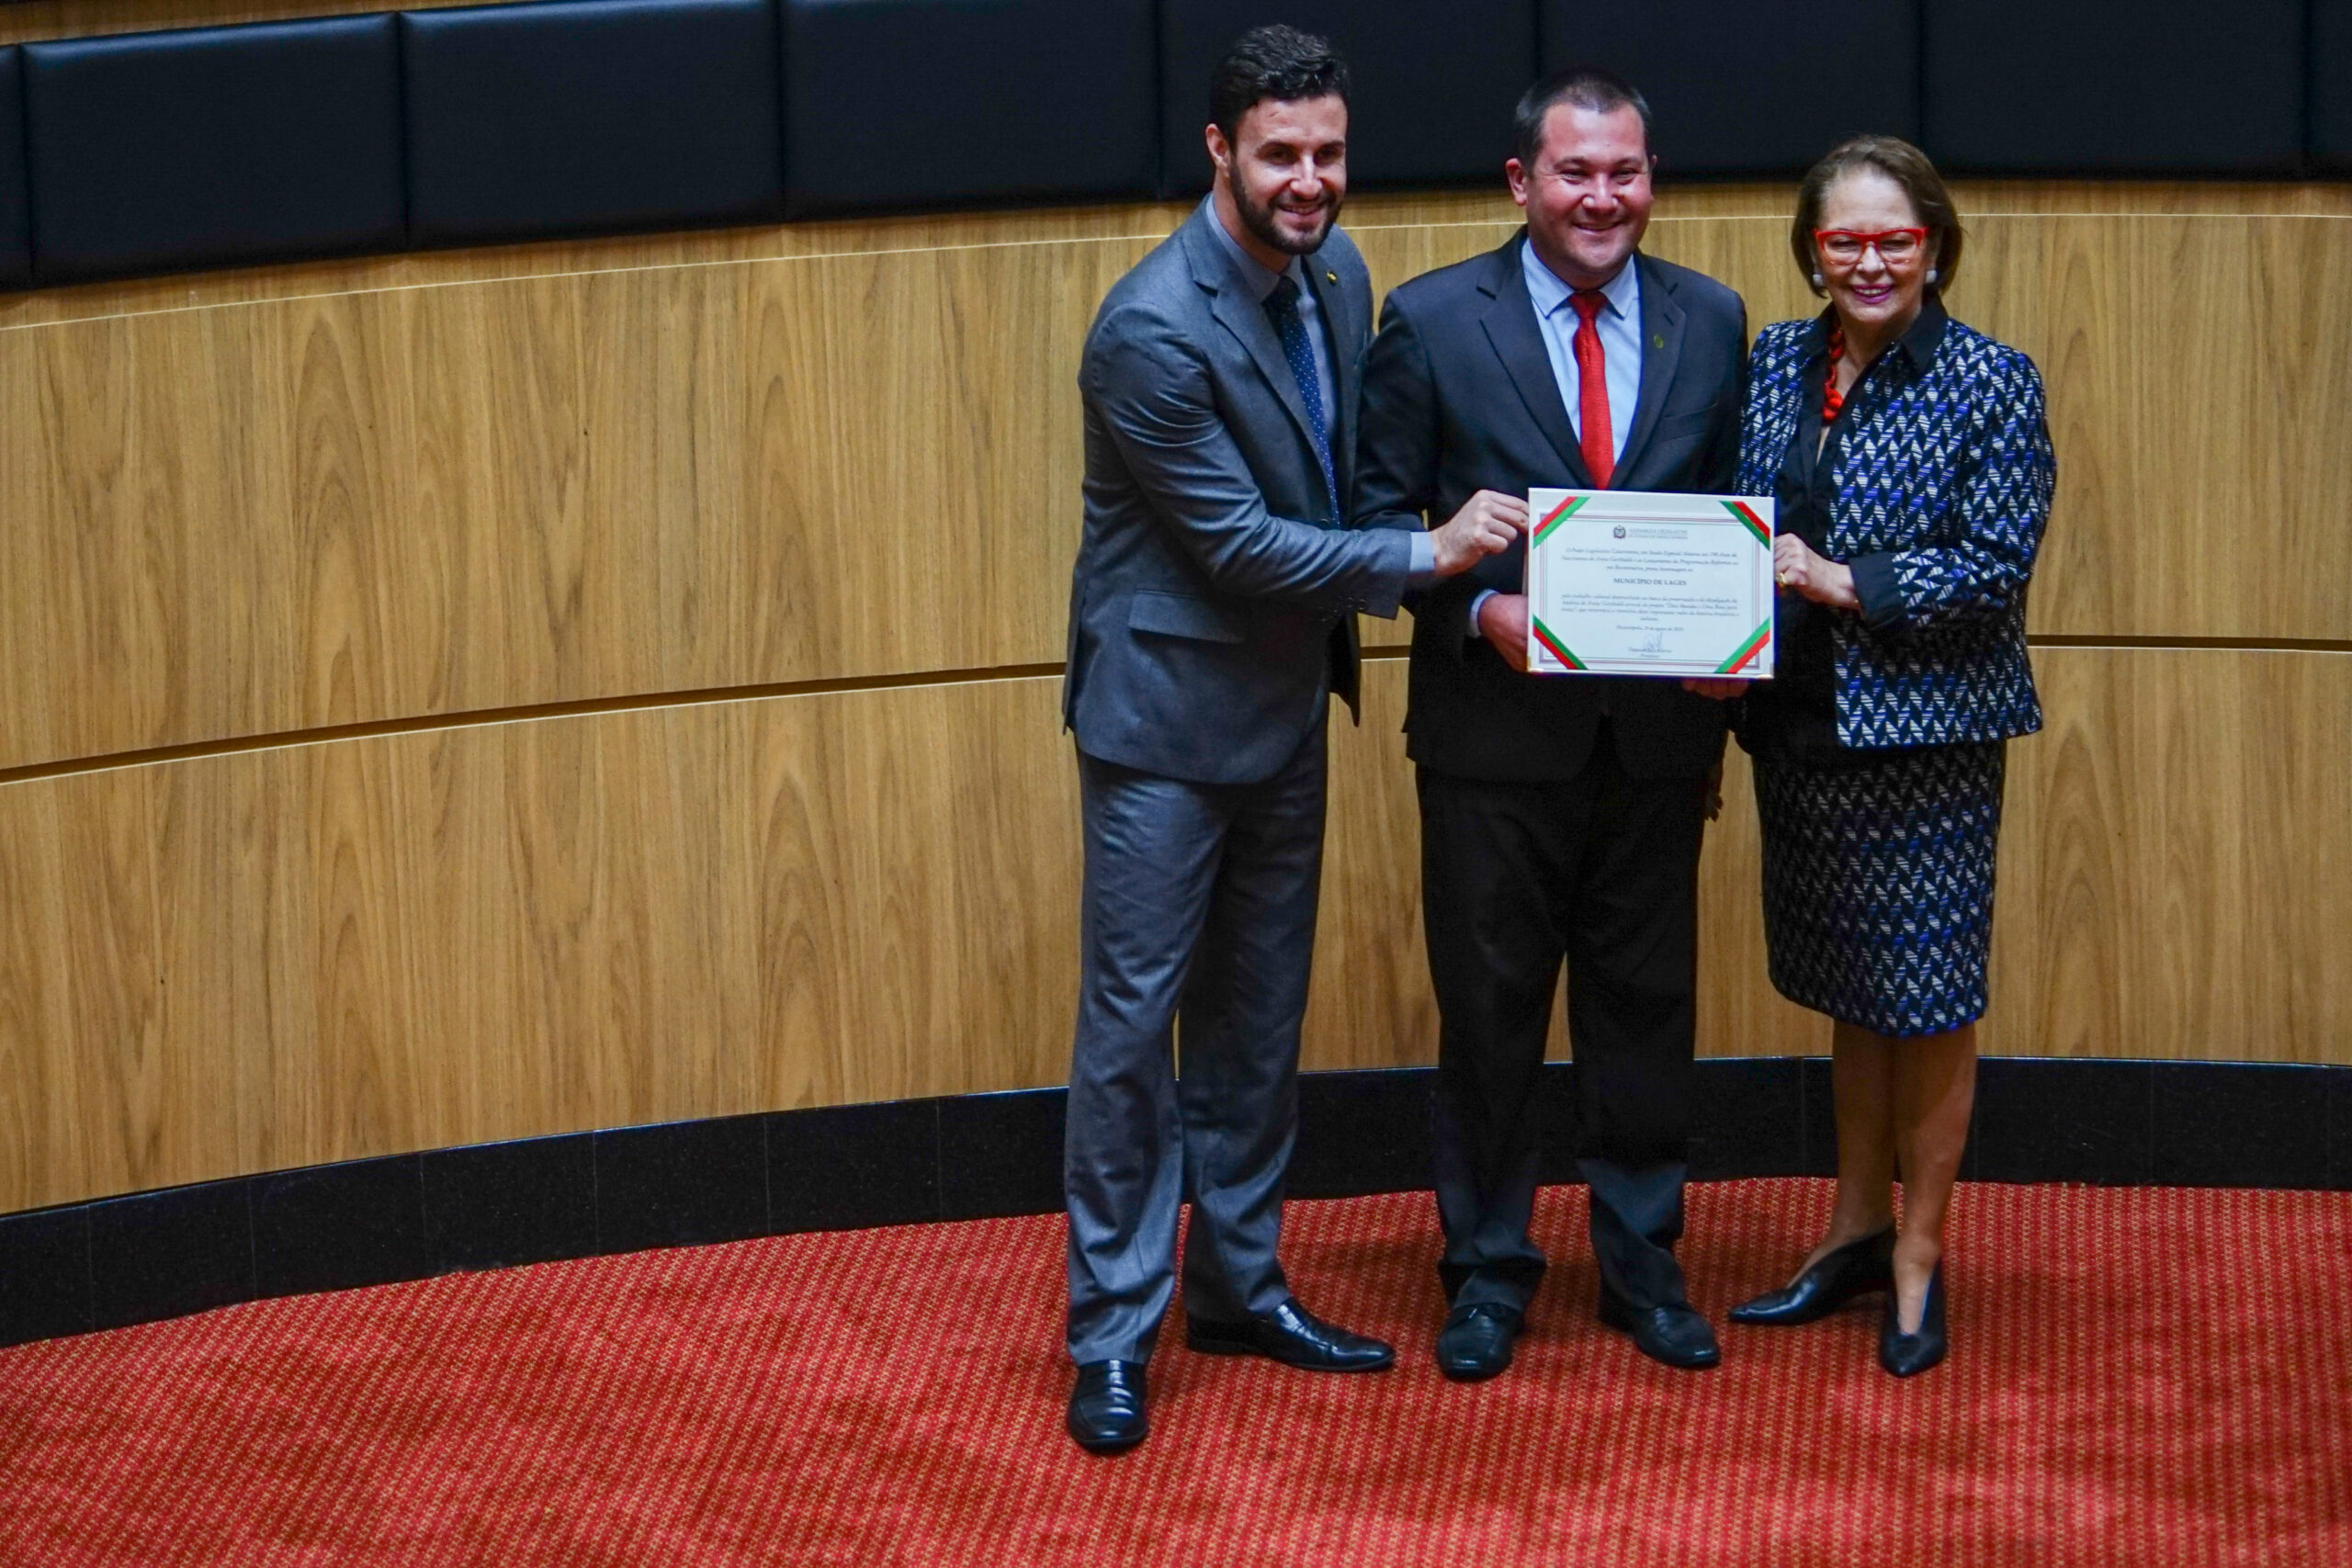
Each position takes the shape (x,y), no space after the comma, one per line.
(1907,1355)
(1835,1278)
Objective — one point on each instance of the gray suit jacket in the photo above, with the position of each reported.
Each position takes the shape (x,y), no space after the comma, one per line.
(1211,608)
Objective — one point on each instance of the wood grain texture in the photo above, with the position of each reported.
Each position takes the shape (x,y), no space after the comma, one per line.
(33,21)
(327,952)
(2176,876)
(319,952)
(352,508)
(279,514)
(2178,879)
(255,504)
(1764,203)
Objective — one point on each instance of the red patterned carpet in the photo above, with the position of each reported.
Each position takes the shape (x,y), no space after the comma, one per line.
(2142,1377)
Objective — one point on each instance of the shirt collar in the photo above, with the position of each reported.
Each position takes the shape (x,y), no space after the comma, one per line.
(1550,291)
(1918,342)
(1246,268)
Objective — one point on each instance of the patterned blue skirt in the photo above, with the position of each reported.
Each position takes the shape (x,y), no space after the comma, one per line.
(1878,882)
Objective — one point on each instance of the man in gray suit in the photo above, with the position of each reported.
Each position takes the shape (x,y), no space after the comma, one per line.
(1212,615)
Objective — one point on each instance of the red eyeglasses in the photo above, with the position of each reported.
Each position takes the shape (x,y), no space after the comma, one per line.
(1844,247)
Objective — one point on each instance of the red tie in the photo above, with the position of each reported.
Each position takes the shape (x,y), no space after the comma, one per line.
(1593,388)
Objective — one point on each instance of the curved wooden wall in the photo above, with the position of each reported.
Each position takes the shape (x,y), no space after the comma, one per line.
(470,696)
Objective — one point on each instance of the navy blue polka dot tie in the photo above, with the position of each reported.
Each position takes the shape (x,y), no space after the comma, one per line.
(1282,306)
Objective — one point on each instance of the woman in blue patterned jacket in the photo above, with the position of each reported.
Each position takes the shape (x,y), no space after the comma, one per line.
(1913,471)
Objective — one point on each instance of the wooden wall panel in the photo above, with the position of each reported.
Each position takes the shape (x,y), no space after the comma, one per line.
(2175,875)
(2178,881)
(321,953)
(427,499)
(354,508)
(249,508)
(32,21)
(317,953)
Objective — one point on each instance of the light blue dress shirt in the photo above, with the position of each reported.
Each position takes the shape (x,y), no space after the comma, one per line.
(1420,569)
(1620,326)
(1318,343)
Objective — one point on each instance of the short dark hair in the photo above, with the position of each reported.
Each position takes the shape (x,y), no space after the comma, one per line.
(1277,63)
(1587,87)
(1908,167)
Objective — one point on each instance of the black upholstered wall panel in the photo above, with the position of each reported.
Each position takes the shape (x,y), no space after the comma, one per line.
(935,102)
(1751,87)
(2114,86)
(15,253)
(592,116)
(2330,84)
(1434,82)
(214,146)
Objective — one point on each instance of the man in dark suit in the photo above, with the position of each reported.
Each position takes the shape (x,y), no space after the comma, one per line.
(1211,613)
(1561,816)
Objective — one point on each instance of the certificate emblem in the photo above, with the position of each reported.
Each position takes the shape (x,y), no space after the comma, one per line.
(1623,582)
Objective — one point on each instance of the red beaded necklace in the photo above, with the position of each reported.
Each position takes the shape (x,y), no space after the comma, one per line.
(1832,399)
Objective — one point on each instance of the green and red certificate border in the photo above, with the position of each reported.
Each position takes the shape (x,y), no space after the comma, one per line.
(1549,654)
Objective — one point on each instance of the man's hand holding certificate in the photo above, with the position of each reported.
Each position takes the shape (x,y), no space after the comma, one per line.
(1623,582)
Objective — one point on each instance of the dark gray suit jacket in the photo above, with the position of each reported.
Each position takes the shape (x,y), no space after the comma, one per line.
(1210,608)
(1459,397)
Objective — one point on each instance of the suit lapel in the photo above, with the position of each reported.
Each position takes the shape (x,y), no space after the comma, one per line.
(1518,341)
(1244,317)
(1662,323)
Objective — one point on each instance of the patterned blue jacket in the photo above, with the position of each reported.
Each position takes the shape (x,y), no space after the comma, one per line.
(1942,488)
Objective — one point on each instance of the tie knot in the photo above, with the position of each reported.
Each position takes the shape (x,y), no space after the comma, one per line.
(1588,303)
(1284,299)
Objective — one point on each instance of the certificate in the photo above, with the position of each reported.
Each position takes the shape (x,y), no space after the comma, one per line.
(1620,582)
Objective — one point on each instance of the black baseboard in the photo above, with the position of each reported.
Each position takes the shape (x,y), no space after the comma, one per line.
(116,1261)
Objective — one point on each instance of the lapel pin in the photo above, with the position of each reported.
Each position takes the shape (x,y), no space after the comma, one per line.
(1331,277)
(1658,339)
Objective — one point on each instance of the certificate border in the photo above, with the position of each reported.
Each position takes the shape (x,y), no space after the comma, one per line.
(1548,654)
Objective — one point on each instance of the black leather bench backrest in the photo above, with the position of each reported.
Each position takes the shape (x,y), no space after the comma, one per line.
(212,147)
(1434,83)
(1751,87)
(2114,86)
(16,240)
(906,104)
(588,116)
(222,146)
(2329,80)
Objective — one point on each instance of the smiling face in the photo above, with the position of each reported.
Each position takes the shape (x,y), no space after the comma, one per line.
(1874,299)
(1281,180)
(1588,197)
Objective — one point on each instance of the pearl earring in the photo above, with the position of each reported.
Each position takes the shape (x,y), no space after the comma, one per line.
(1932,276)
(1817,280)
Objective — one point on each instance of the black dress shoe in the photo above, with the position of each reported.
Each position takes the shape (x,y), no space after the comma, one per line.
(1292,1335)
(1834,1279)
(1106,1413)
(1474,1343)
(1672,1334)
(1907,1355)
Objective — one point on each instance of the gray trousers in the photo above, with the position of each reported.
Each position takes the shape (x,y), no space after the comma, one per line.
(1200,902)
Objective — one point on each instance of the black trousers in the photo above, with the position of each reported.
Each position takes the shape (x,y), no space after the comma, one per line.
(1601,870)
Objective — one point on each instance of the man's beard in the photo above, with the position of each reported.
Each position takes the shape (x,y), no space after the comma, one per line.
(1260,221)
